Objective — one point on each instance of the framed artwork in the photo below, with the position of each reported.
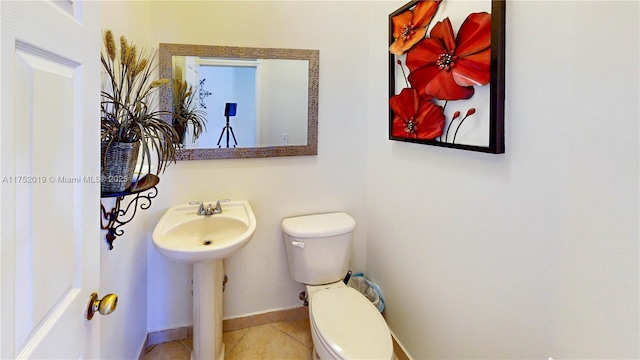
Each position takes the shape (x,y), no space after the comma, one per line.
(446,74)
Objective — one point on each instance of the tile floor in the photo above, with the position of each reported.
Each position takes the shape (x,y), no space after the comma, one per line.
(277,341)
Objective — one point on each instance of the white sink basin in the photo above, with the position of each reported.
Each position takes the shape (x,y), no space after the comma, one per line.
(184,236)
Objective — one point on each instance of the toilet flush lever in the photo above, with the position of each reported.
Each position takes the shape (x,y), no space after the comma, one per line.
(299,244)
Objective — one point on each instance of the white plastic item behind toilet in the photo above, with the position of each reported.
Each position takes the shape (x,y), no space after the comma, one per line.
(368,289)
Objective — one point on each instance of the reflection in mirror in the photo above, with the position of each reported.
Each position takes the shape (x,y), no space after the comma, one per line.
(270,96)
(259,102)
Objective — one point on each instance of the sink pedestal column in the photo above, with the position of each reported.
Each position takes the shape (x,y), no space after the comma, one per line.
(207,310)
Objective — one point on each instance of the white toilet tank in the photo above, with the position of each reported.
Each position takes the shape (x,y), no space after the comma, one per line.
(318,247)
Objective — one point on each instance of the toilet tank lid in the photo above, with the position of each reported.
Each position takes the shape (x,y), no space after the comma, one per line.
(318,225)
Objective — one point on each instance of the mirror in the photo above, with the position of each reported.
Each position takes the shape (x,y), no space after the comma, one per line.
(260,102)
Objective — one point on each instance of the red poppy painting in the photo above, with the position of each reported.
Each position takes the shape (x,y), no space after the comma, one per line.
(446,58)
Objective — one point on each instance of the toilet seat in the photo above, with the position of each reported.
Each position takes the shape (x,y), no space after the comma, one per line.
(349,326)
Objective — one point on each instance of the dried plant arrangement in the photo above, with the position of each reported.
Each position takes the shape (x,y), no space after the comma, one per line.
(186,113)
(129,111)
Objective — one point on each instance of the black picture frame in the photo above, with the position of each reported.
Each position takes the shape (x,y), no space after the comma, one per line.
(496,143)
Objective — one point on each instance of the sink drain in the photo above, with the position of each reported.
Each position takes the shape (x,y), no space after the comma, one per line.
(207,242)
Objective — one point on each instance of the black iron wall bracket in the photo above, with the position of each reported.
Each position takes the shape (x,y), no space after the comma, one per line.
(142,191)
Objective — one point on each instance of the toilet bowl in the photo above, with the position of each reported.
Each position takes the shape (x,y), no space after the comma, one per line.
(345,325)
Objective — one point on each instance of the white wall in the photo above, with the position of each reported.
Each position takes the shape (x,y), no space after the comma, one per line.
(123,270)
(533,253)
(284,103)
(276,187)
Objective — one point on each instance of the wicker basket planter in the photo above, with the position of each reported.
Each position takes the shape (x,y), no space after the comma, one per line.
(118,164)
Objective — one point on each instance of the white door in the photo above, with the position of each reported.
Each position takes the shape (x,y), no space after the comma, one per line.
(49,212)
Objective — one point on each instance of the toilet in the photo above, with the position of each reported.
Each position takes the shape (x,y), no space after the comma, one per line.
(345,325)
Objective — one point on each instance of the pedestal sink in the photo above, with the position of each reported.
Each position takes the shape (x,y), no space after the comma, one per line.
(205,240)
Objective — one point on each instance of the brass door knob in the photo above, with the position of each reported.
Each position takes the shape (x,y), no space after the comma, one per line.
(105,306)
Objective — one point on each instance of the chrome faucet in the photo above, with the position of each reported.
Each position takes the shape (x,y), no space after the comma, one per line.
(209,210)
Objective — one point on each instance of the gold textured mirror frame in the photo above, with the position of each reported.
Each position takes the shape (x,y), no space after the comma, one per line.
(167,51)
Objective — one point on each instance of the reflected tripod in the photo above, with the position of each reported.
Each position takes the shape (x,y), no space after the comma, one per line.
(228,129)
(229,110)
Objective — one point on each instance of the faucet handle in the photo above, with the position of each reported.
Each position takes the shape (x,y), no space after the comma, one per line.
(218,209)
(200,208)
